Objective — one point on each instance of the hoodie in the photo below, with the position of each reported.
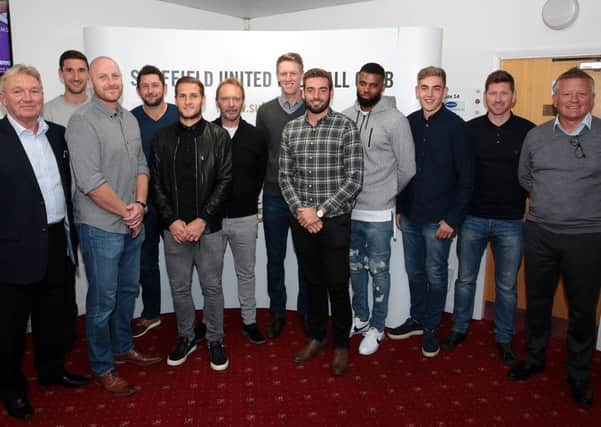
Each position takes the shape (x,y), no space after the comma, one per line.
(388,153)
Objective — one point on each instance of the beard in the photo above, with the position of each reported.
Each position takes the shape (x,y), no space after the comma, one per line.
(368,102)
(318,109)
(154,103)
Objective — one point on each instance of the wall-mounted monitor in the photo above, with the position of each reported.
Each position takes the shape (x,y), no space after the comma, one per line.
(6,57)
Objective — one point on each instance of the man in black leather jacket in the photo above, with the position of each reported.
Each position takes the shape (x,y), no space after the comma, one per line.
(191,174)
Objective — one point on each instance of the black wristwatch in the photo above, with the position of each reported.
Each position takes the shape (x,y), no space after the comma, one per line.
(141,203)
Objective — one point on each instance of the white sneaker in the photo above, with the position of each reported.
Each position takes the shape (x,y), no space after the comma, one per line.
(359,327)
(371,341)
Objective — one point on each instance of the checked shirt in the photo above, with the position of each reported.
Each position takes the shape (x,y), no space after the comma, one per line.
(321,165)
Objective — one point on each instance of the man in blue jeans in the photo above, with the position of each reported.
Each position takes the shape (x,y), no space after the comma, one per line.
(433,206)
(495,214)
(153,114)
(271,119)
(389,164)
(111,177)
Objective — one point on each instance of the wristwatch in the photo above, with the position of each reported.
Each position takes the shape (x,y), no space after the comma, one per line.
(319,213)
(141,203)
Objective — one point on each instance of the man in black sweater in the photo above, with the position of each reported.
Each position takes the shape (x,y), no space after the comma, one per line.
(239,226)
(271,119)
(495,214)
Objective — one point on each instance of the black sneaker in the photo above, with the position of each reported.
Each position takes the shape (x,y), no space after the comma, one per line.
(253,333)
(409,328)
(180,353)
(200,332)
(430,346)
(217,356)
(452,340)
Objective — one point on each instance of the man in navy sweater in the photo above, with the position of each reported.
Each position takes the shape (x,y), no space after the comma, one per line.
(153,114)
(433,206)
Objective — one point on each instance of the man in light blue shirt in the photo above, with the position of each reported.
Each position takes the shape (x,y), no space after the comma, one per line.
(36,240)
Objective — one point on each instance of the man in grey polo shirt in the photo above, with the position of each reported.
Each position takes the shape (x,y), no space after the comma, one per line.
(111,178)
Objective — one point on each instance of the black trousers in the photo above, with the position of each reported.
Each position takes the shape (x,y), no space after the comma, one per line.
(324,259)
(45,301)
(578,258)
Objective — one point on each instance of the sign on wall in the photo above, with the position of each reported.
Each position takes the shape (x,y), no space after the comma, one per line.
(212,56)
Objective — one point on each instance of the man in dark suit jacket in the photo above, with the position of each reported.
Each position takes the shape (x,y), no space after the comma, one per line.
(36,240)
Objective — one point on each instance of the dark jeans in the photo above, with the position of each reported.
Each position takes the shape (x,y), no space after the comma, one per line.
(324,260)
(45,301)
(578,258)
(275,225)
(427,265)
(150,276)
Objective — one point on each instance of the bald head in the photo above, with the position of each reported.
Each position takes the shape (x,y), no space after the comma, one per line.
(106,79)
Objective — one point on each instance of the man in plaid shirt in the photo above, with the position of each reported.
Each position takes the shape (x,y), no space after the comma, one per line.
(321,173)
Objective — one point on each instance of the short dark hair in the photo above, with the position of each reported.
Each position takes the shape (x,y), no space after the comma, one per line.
(318,72)
(147,70)
(72,54)
(500,76)
(190,79)
(574,73)
(373,68)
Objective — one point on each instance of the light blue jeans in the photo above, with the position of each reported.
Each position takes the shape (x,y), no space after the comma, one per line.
(112,262)
(506,237)
(370,253)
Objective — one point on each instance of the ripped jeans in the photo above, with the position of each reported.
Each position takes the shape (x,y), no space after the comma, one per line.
(370,255)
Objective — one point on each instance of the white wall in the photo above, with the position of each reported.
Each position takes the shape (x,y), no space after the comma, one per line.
(42,30)
(475,32)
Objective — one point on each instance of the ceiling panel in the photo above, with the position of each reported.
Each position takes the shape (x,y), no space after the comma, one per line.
(258,8)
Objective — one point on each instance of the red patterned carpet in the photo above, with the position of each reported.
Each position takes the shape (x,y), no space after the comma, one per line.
(397,386)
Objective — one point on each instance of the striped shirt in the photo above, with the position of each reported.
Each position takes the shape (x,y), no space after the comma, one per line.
(321,165)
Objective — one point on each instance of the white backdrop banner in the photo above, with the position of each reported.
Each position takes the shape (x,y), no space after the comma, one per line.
(250,56)
(212,56)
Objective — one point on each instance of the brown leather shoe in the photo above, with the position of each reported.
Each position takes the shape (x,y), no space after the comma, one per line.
(340,361)
(114,384)
(309,351)
(135,357)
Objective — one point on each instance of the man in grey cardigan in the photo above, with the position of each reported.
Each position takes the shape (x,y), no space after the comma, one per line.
(560,166)
(389,164)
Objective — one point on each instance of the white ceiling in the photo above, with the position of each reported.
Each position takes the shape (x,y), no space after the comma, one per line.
(258,8)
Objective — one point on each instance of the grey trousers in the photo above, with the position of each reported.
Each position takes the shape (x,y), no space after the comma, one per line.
(241,234)
(206,256)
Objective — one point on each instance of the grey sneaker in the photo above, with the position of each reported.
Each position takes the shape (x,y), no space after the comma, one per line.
(409,328)
(217,356)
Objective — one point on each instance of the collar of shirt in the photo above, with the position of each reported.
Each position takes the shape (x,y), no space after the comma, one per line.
(106,110)
(196,128)
(20,130)
(435,116)
(505,123)
(325,119)
(286,105)
(587,121)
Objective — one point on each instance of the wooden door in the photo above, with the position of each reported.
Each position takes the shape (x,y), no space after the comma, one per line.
(534,77)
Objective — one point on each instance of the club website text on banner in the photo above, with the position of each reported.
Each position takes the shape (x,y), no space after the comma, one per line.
(212,56)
